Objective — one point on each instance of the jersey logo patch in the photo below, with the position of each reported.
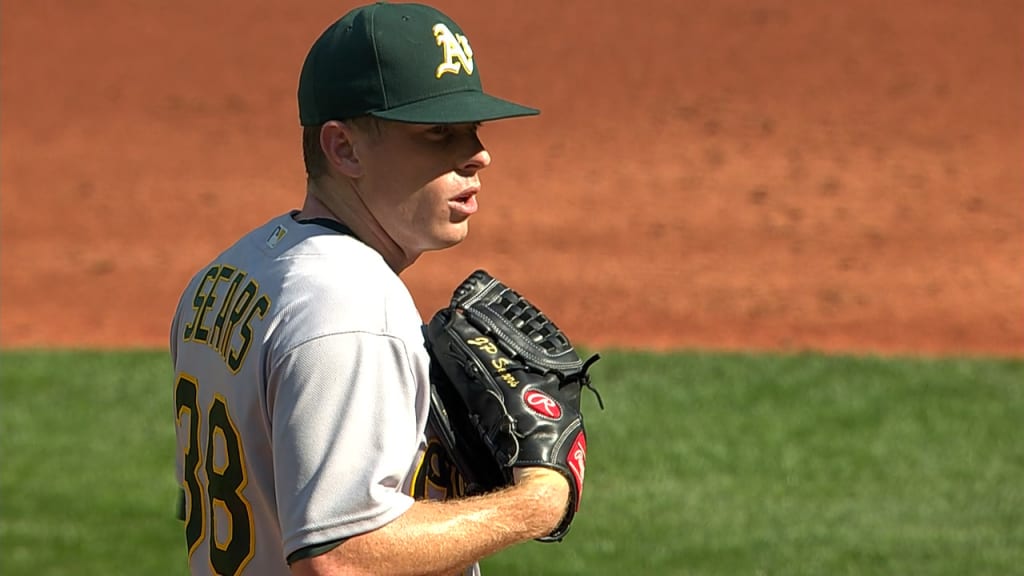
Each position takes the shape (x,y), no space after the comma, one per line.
(458,55)
(276,236)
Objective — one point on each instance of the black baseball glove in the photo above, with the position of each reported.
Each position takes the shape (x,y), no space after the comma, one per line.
(505,390)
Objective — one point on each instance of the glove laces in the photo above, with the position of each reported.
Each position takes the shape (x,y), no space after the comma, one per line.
(584,378)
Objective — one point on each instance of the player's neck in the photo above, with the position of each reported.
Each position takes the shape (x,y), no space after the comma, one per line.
(346,207)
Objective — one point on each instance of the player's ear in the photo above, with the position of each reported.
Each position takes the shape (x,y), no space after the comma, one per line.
(336,141)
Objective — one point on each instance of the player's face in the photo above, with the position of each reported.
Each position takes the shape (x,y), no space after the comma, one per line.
(421,181)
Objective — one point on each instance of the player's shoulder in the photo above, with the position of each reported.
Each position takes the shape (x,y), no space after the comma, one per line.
(327,273)
(332,262)
(315,279)
(318,254)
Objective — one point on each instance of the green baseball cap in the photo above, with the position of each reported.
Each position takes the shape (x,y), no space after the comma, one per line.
(402,62)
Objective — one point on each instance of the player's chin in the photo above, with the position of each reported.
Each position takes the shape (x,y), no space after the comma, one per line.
(452,233)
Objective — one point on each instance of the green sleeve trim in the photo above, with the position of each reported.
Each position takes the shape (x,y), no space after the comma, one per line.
(314,550)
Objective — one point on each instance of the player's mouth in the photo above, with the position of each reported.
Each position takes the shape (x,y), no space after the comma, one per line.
(465,203)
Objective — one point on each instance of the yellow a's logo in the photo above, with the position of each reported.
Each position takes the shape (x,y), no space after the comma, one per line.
(457,53)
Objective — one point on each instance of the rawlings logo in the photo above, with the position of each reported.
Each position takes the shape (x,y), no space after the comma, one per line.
(578,464)
(542,404)
(456,47)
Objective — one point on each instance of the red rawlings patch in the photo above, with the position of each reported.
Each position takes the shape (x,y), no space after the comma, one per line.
(542,404)
(578,463)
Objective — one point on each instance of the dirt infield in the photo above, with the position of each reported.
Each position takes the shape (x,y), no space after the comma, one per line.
(728,175)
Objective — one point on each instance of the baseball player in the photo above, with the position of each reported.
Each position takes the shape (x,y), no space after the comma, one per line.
(301,377)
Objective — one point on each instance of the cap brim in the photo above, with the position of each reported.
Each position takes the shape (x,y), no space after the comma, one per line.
(456,108)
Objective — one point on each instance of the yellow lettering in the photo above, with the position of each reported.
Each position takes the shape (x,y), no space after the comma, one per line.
(500,365)
(238,310)
(240,304)
(484,343)
(201,303)
(202,333)
(237,357)
(510,380)
(218,332)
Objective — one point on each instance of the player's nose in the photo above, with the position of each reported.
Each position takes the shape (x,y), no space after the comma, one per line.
(478,157)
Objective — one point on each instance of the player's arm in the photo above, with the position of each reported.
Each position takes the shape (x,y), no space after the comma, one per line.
(443,537)
(385,531)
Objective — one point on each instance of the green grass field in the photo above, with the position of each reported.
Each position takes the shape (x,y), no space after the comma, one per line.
(701,464)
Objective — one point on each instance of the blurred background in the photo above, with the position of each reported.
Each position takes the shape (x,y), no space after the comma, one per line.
(768,175)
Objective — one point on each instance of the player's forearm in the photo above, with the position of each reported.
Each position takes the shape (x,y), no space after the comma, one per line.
(444,537)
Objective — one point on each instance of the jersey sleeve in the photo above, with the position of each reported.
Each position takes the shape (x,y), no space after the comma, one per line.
(344,430)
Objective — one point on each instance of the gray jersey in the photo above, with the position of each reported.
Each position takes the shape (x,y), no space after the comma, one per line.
(301,394)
